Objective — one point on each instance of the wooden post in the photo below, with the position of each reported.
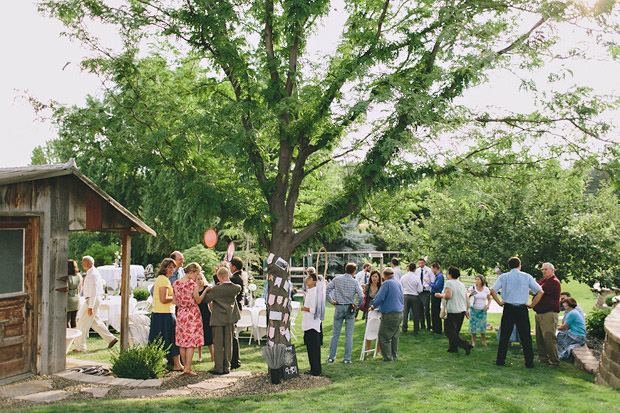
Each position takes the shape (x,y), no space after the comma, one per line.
(125,279)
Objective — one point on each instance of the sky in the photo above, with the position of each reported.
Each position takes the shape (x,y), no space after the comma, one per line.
(39,62)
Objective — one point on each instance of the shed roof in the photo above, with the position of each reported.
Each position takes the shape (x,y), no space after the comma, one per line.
(36,172)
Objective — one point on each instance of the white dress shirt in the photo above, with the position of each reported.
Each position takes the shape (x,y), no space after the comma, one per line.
(308,322)
(362,277)
(428,275)
(93,286)
(411,284)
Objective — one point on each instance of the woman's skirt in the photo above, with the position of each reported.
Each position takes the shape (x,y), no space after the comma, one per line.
(477,321)
(163,325)
(566,342)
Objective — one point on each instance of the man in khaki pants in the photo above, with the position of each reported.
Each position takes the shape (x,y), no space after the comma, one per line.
(224,315)
(547,311)
(89,313)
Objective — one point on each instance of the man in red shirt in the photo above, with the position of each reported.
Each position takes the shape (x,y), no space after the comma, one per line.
(547,311)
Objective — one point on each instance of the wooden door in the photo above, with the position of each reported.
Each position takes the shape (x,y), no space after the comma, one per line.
(18,285)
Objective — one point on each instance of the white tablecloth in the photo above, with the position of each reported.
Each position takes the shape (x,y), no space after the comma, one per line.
(114,312)
(112,275)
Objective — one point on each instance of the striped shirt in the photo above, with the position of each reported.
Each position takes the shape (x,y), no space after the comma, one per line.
(343,289)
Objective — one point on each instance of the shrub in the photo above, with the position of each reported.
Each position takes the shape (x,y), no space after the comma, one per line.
(609,300)
(141,362)
(141,294)
(102,254)
(206,257)
(595,322)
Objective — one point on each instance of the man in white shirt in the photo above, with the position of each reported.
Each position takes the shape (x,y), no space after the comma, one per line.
(425,275)
(363,276)
(412,287)
(311,325)
(398,273)
(88,317)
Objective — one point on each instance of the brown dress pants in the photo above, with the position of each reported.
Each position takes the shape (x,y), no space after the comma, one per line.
(222,347)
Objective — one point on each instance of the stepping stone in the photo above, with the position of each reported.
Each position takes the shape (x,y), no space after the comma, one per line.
(134,383)
(176,392)
(97,392)
(45,397)
(23,389)
(120,382)
(151,383)
(210,385)
(88,378)
(224,379)
(133,393)
(238,373)
(72,375)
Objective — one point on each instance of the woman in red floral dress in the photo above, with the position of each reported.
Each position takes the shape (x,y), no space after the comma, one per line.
(189,334)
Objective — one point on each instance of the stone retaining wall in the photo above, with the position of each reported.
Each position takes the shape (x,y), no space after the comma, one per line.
(609,365)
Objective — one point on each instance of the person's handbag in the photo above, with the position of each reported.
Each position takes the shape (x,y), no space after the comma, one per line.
(364,307)
(444,311)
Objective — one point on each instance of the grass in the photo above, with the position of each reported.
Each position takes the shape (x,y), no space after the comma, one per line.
(424,378)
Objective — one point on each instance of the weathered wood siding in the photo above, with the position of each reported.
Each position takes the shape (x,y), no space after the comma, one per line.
(48,199)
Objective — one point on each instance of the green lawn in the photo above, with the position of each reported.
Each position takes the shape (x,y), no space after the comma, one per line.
(425,377)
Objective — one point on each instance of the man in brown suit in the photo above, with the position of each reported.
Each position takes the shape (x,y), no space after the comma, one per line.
(224,315)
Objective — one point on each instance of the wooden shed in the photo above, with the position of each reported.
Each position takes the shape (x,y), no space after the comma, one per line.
(39,205)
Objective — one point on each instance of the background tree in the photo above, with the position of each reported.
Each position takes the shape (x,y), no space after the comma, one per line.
(542,215)
(267,115)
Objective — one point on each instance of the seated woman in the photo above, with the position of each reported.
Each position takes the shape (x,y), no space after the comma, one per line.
(572,333)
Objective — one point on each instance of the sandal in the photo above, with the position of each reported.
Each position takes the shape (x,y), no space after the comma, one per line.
(190,374)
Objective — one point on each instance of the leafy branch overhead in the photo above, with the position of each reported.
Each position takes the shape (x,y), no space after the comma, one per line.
(242,90)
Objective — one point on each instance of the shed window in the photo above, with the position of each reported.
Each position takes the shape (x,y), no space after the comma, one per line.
(12,261)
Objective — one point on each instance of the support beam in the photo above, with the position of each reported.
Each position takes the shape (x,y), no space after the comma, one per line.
(125,277)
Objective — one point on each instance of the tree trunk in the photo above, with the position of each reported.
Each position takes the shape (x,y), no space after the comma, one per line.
(278,292)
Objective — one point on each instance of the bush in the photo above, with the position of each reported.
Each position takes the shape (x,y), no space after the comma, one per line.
(102,254)
(595,322)
(141,294)
(141,362)
(206,257)
(609,300)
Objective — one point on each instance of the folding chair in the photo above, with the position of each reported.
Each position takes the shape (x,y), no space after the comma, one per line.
(139,327)
(372,332)
(245,322)
(142,307)
(262,323)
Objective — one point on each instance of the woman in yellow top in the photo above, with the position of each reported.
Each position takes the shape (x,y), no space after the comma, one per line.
(163,320)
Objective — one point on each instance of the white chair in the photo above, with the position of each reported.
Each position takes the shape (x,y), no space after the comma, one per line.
(295,308)
(142,307)
(261,325)
(104,314)
(139,328)
(372,332)
(245,322)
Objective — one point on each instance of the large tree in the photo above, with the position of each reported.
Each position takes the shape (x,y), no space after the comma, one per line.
(275,115)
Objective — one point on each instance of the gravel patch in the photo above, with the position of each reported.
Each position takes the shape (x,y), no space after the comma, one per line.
(257,383)
(595,345)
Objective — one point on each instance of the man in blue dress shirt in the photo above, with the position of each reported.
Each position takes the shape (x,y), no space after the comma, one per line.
(436,287)
(515,286)
(389,301)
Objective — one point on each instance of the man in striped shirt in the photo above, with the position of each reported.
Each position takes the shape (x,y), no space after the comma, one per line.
(342,291)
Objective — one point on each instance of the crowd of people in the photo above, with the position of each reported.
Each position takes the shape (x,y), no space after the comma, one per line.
(188,313)
(435,303)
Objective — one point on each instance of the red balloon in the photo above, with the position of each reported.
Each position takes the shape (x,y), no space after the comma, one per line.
(210,238)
